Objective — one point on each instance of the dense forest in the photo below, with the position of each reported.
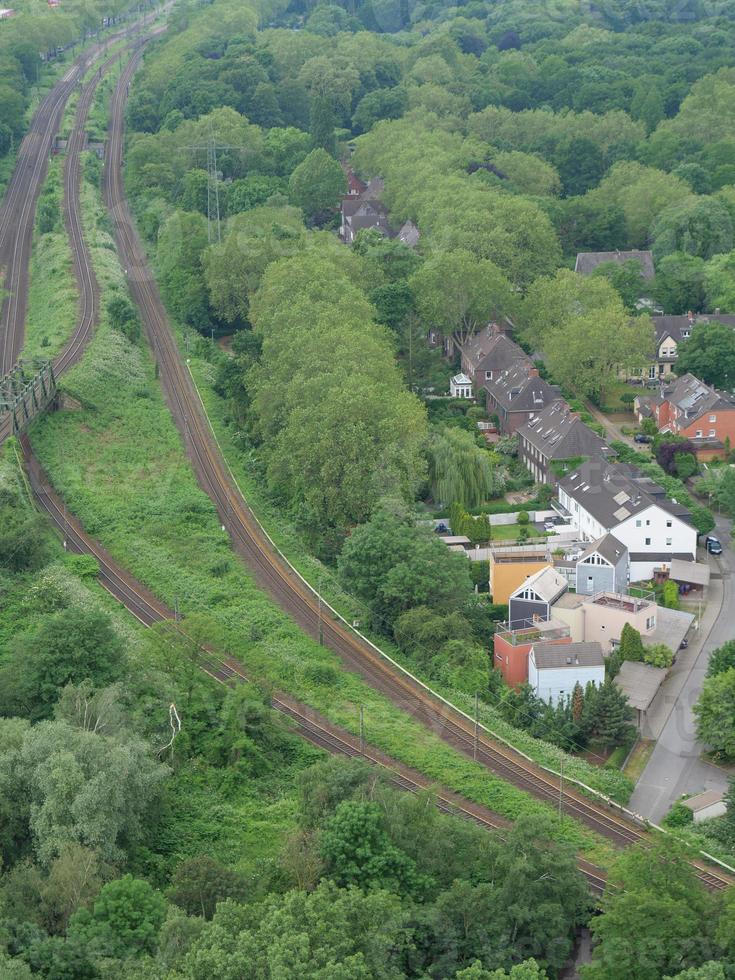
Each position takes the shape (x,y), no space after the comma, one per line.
(156,825)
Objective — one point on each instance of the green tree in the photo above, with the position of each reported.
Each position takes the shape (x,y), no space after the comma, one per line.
(659,655)
(715,713)
(394,565)
(68,646)
(459,470)
(679,283)
(552,301)
(721,659)
(608,716)
(181,244)
(322,120)
(460,293)
(631,645)
(709,354)
(627,278)
(198,884)
(589,352)
(357,851)
(655,922)
(697,225)
(125,919)
(317,184)
(66,785)
(671,594)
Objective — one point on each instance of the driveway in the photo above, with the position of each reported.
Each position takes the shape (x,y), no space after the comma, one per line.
(675,767)
(612,430)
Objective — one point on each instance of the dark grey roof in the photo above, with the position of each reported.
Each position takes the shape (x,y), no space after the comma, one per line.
(669,556)
(675,326)
(520,389)
(694,398)
(587,262)
(639,683)
(550,656)
(558,433)
(613,492)
(409,234)
(491,349)
(608,547)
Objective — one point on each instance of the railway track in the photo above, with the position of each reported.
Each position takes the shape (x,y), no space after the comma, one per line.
(228,671)
(19,203)
(266,564)
(270,570)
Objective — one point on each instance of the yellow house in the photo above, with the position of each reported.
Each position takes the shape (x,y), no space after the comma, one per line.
(510,567)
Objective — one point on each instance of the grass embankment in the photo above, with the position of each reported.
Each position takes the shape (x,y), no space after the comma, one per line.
(245,468)
(52,292)
(121,467)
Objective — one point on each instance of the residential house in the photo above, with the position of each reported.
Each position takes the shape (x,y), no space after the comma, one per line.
(511,565)
(690,408)
(554,670)
(532,601)
(602,567)
(511,647)
(601,497)
(409,234)
(601,617)
(362,210)
(671,330)
(490,353)
(460,386)
(556,441)
(518,395)
(587,262)
(355,186)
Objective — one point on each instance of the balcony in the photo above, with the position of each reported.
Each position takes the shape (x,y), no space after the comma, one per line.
(536,632)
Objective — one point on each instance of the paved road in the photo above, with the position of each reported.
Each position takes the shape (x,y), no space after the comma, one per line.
(675,766)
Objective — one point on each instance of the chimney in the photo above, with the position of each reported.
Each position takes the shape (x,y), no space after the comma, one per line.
(690,316)
(533,372)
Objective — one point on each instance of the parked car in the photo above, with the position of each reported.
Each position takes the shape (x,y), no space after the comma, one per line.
(713,545)
(641,437)
(549,525)
(684,644)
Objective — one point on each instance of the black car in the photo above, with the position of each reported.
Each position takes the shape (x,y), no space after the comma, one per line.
(713,545)
(641,437)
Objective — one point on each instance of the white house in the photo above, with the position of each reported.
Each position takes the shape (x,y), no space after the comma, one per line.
(460,386)
(614,498)
(554,669)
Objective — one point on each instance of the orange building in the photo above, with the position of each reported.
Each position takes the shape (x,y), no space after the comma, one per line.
(691,409)
(510,567)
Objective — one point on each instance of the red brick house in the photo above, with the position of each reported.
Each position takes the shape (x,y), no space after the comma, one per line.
(689,408)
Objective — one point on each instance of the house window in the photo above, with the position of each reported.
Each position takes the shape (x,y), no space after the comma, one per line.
(648,523)
(669,523)
(713,418)
(698,434)
(652,372)
(638,523)
(668,542)
(488,376)
(685,333)
(711,433)
(648,541)
(590,581)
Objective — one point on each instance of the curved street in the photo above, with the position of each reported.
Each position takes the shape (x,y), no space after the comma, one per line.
(676,765)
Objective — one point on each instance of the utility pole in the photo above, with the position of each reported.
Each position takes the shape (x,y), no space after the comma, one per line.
(362,731)
(477,726)
(319,598)
(561,785)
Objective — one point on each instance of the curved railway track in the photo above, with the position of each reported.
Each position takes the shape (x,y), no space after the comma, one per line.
(268,567)
(19,203)
(266,564)
(228,671)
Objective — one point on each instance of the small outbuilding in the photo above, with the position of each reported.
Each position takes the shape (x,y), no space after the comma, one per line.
(640,683)
(460,386)
(705,806)
(693,573)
